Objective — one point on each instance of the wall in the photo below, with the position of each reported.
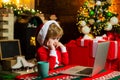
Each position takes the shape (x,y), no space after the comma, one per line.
(66,12)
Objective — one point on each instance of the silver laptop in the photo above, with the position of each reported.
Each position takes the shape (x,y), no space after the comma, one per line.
(99,63)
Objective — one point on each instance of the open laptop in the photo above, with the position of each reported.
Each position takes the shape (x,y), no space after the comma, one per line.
(99,63)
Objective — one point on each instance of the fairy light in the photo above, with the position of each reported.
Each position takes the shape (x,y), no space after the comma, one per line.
(18,2)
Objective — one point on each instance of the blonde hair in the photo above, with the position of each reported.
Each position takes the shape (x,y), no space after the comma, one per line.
(54,31)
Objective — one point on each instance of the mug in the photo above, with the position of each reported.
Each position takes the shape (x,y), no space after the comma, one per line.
(43,69)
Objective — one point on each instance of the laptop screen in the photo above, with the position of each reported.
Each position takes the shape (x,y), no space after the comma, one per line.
(9,49)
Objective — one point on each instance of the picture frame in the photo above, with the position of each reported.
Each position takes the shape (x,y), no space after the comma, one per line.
(9,49)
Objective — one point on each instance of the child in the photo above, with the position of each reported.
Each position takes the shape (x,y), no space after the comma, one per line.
(51,49)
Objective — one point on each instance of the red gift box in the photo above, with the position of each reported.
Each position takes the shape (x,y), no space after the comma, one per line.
(81,52)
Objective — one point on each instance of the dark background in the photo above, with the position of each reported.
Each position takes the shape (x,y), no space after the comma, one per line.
(66,11)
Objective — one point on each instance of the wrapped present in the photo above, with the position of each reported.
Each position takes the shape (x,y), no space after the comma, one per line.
(78,54)
(113,58)
(82,52)
(84,42)
(112,51)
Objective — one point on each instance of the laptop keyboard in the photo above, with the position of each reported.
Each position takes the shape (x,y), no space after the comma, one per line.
(86,71)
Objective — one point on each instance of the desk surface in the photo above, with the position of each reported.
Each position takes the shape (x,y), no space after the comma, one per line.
(54,75)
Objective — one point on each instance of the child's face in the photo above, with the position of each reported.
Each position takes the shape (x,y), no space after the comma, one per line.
(52,41)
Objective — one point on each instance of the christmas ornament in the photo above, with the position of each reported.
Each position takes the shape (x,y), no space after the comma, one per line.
(110,36)
(88,36)
(86,3)
(91,13)
(91,21)
(85,30)
(108,26)
(114,20)
(83,23)
(109,14)
(98,3)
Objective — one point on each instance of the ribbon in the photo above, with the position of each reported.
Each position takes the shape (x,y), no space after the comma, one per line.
(82,42)
(116,49)
(95,44)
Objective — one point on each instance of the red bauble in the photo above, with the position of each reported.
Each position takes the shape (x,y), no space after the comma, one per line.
(110,36)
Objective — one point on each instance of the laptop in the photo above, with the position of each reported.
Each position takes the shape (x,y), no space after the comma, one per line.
(99,63)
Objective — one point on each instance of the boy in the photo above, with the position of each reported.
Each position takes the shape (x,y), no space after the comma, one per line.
(51,50)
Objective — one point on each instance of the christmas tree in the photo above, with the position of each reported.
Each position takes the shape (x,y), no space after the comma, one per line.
(96,18)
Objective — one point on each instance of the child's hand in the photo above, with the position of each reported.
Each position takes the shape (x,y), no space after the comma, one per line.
(50,44)
(59,44)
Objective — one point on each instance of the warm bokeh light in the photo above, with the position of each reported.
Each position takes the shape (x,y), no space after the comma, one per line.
(25,3)
(17,1)
(5,1)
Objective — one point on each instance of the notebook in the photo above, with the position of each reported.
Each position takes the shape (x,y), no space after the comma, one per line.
(99,63)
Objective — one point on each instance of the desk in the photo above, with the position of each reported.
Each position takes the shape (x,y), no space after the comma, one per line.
(111,75)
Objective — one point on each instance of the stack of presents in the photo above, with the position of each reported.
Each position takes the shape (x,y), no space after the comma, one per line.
(82,52)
